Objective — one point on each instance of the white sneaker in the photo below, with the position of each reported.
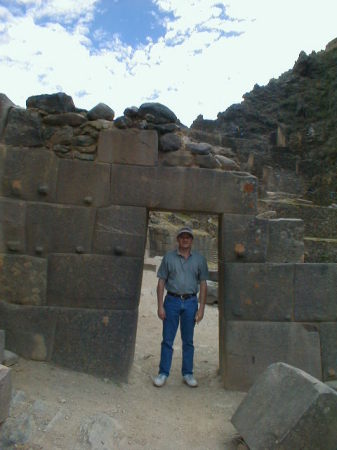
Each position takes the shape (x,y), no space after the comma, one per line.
(159,380)
(190,380)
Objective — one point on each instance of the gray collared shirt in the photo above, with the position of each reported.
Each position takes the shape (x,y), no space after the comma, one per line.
(183,276)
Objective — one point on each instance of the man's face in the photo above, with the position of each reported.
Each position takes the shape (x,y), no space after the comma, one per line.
(185,241)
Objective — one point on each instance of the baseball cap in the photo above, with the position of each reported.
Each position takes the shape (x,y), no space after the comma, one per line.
(187,230)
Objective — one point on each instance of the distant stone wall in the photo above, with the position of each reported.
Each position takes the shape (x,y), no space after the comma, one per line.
(162,240)
(72,241)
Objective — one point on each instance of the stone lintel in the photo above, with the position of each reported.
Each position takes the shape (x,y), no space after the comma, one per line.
(184,189)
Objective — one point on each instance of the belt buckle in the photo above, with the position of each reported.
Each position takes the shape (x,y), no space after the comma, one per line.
(185,296)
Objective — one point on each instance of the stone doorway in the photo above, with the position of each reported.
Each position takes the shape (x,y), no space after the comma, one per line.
(161,237)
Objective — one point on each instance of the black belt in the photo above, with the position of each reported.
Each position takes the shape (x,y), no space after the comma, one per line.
(182,296)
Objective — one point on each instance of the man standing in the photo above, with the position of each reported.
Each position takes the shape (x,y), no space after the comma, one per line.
(181,272)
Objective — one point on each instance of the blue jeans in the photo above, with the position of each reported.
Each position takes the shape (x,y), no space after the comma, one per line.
(184,311)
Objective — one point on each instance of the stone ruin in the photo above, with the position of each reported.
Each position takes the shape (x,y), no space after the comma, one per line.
(76,189)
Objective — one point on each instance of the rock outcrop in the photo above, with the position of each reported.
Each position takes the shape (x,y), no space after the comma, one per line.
(285,132)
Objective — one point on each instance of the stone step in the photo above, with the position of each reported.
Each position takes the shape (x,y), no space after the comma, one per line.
(320,249)
(319,221)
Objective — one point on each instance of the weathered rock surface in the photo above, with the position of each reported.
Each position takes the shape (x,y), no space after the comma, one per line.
(288,409)
(23,128)
(286,126)
(170,142)
(2,345)
(72,119)
(5,392)
(23,279)
(157,113)
(51,103)
(5,105)
(101,432)
(101,111)
(10,358)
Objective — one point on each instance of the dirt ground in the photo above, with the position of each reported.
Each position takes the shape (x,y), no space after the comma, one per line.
(55,408)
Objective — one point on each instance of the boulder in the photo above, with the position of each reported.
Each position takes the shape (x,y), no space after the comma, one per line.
(157,113)
(288,409)
(199,148)
(102,432)
(5,392)
(2,345)
(51,103)
(23,128)
(101,111)
(10,358)
(207,162)
(212,292)
(123,122)
(131,112)
(5,105)
(227,163)
(170,142)
(68,118)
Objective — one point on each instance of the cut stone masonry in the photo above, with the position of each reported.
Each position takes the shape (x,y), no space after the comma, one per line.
(72,239)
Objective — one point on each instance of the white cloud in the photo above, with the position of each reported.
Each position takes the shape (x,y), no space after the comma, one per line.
(193,69)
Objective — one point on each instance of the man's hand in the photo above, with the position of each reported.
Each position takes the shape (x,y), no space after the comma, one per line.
(200,314)
(160,297)
(161,313)
(202,301)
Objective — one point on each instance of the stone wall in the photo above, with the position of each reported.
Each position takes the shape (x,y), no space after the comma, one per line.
(275,307)
(72,240)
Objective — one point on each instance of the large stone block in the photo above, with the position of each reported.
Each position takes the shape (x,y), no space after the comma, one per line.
(30,174)
(5,105)
(259,291)
(328,334)
(315,292)
(3,153)
(51,103)
(2,345)
(243,238)
(187,189)
(94,281)
(120,229)
(250,347)
(59,229)
(12,225)
(5,392)
(319,221)
(288,409)
(23,279)
(99,342)
(23,128)
(285,240)
(29,330)
(132,146)
(83,183)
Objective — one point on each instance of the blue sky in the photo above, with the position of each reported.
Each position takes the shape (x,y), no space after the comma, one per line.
(195,56)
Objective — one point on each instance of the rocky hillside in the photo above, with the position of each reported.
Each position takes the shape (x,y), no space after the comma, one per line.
(285,132)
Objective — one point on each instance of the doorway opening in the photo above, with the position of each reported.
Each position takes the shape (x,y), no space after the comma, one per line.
(161,237)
